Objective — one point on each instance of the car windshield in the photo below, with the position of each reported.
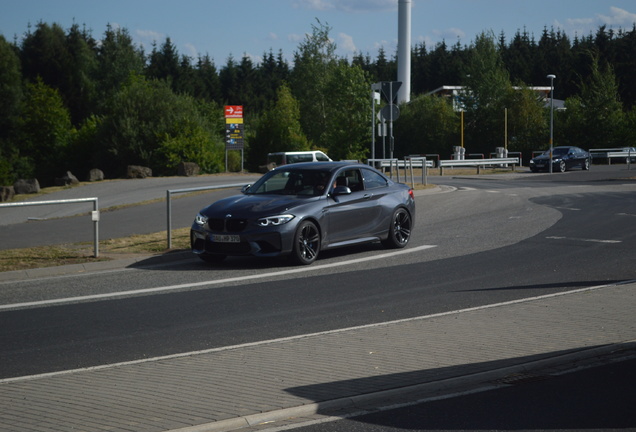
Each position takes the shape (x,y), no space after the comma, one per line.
(292,182)
(557,151)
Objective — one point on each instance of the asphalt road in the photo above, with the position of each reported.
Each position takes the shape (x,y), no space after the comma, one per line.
(484,241)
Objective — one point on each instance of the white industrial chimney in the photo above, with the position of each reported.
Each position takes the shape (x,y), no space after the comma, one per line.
(404,50)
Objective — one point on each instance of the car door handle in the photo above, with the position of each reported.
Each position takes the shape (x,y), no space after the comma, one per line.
(367,196)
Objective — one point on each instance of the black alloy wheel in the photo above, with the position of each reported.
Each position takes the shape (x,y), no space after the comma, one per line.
(306,243)
(400,229)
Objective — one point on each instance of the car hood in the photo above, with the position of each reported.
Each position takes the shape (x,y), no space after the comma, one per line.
(544,157)
(254,206)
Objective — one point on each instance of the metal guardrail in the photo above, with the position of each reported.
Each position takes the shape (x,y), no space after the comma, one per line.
(169,194)
(614,153)
(478,163)
(604,151)
(94,214)
(409,162)
(418,161)
(415,162)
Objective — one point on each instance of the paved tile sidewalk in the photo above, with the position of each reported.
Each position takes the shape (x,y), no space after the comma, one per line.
(219,388)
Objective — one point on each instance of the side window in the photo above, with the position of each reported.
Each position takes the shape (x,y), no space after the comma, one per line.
(373,180)
(350,178)
(321,157)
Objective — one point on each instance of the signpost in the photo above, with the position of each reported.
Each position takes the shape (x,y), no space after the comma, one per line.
(389,113)
(234,131)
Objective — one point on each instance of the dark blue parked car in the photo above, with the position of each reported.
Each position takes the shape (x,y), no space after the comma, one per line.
(563,158)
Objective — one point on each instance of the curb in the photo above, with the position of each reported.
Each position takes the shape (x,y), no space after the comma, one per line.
(426,392)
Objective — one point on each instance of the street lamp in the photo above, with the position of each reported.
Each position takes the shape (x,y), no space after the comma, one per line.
(551,77)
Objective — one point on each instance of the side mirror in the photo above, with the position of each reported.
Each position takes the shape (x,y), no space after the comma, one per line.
(341,190)
(245,188)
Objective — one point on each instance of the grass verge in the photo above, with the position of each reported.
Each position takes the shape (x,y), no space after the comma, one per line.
(80,253)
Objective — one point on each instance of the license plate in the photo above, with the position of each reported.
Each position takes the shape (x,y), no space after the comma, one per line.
(226,238)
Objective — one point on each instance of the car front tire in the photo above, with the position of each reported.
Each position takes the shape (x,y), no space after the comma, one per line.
(399,230)
(306,243)
(562,166)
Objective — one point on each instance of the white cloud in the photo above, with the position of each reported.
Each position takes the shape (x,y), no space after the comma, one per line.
(191,51)
(389,47)
(147,37)
(295,37)
(256,59)
(617,18)
(346,43)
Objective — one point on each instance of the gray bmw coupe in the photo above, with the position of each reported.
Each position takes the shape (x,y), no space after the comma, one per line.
(301,209)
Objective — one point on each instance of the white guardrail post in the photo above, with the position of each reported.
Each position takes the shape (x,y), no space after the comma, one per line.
(94,214)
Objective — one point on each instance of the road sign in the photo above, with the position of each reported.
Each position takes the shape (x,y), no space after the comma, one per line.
(390,90)
(234,137)
(233,111)
(390,112)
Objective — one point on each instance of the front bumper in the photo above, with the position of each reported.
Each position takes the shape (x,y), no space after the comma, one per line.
(266,243)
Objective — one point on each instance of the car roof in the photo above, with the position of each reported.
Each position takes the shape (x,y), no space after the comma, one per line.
(322,166)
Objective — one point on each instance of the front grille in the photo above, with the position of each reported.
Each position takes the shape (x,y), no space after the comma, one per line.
(227,225)
(235,225)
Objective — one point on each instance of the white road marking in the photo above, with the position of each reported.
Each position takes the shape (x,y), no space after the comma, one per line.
(213,282)
(291,338)
(584,240)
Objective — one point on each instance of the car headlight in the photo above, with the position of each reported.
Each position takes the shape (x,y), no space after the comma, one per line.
(275,220)
(201,219)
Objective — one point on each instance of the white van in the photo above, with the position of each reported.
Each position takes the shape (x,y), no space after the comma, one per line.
(284,158)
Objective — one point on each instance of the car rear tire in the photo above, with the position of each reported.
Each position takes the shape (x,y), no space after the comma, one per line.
(211,259)
(306,243)
(399,230)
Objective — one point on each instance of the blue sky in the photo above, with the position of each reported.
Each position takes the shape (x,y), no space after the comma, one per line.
(221,28)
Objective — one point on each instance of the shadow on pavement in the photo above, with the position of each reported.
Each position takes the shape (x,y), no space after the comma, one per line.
(547,399)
